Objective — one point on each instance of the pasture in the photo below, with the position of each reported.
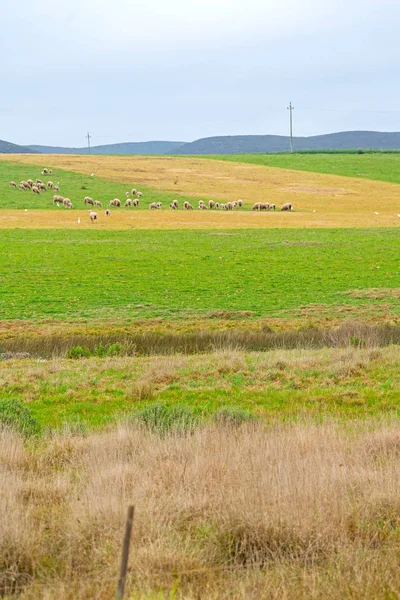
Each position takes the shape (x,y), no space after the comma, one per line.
(122,275)
(234,374)
(319,200)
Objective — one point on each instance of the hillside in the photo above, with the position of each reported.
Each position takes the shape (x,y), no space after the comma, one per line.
(238,144)
(8,148)
(123,148)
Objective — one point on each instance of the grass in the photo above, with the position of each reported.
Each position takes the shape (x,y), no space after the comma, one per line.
(74,186)
(378,166)
(277,385)
(304,511)
(88,275)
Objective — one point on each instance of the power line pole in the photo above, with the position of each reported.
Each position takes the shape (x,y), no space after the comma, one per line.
(88,141)
(291,109)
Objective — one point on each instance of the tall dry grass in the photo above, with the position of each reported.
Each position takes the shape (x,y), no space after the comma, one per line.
(350,333)
(289,511)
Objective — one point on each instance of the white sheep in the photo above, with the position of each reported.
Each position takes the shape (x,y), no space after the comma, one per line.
(115,202)
(13,184)
(108,212)
(92,215)
(287,206)
(138,194)
(128,202)
(134,192)
(50,185)
(88,200)
(187,206)
(97,203)
(35,190)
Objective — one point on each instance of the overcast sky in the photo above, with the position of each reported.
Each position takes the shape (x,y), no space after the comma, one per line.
(136,70)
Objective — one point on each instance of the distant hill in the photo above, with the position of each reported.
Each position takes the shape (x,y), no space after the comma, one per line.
(241,144)
(8,148)
(124,148)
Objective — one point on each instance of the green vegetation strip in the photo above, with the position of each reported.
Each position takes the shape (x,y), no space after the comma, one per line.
(74,186)
(129,274)
(284,385)
(378,166)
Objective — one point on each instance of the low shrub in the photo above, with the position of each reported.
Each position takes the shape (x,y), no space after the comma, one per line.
(164,419)
(232,415)
(18,417)
(78,352)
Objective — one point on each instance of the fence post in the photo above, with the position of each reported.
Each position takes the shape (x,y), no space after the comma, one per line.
(125,554)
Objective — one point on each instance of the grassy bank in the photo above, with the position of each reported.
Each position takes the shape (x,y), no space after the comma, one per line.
(284,385)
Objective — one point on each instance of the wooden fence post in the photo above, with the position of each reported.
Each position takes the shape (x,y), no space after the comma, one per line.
(125,555)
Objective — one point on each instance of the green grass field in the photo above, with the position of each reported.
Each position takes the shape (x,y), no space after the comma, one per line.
(378,166)
(286,385)
(74,186)
(91,274)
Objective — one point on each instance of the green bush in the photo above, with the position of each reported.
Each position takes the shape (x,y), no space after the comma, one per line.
(164,419)
(78,352)
(18,417)
(232,415)
(115,349)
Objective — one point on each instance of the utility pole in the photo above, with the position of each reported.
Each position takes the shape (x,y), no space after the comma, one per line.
(88,141)
(291,109)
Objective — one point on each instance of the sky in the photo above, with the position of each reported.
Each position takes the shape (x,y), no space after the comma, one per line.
(131,70)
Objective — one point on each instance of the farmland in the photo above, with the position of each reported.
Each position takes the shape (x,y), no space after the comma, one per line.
(234,374)
(319,200)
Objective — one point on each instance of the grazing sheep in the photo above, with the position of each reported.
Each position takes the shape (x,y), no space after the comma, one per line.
(229,206)
(57,198)
(264,206)
(175,203)
(26,185)
(39,181)
(21,186)
(30,182)
(108,212)
(41,186)
(56,188)
(256,206)
(211,204)
(272,207)
(287,206)
(240,203)
(115,202)
(35,190)
(45,171)
(222,206)
(68,204)
(50,185)
(187,206)
(159,204)
(66,201)
(153,206)
(50,172)
(134,192)
(88,200)
(139,194)
(128,202)
(92,215)
(127,194)
(135,203)
(203,207)
(13,184)
(172,206)
(97,203)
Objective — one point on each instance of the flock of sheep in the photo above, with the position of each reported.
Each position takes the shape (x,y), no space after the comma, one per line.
(37,186)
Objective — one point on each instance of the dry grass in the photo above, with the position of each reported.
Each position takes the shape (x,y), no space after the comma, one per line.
(338,201)
(301,511)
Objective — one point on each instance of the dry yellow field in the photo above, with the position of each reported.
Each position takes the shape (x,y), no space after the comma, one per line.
(319,200)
